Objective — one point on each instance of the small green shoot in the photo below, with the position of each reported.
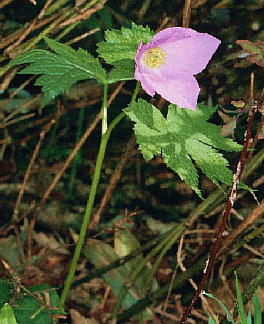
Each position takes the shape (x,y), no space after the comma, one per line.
(7,315)
(257,310)
(243,319)
(240,305)
(228,314)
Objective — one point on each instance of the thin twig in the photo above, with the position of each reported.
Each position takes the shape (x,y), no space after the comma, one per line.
(78,146)
(205,303)
(30,28)
(43,10)
(78,38)
(81,16)
(27,31)
(12,37)
(260,127)
(31,163)
(8,78)
(71,157)
(257,212)
(4,3)
(13,94)
(6,230)
(30,230)
(186,13)
(14,121)
(229,204)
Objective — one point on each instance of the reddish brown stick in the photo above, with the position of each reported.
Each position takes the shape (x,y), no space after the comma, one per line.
(229,204)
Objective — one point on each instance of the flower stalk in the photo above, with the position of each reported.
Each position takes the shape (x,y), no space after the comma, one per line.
(90,203)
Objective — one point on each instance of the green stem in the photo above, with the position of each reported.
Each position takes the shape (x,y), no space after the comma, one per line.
(55,7)
(90,203)
(135,93)
(104,110)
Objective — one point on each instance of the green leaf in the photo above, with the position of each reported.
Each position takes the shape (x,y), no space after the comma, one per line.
(126,243)
(249,317)
(7,315)
(6,289)
(60,70)
(211,320)
(176,157)
(124,70)
(210,161)
(28,309)
(184,137)
(122,44)
(101,254)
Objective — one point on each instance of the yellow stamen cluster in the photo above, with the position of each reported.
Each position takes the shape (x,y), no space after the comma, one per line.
(154,57)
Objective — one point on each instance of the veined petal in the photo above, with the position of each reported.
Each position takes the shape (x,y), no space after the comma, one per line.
(189,55)
(182,91)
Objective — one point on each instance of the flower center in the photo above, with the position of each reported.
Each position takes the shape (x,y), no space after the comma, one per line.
(154,57)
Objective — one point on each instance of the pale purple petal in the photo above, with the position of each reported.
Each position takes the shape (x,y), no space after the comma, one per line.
(141,71)
(173,34)
(189,55)
(182,91)
(148,87)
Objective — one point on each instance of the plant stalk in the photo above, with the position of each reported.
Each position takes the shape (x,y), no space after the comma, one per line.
(104,110)
(90,202)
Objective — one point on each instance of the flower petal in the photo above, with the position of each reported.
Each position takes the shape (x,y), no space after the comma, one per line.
(144,82)
(173,34)
(182,91)
(189,55)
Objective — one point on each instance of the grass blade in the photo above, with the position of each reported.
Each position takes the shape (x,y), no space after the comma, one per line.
(257,310)
(240,305)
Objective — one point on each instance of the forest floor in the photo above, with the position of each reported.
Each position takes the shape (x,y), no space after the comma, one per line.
(137,202)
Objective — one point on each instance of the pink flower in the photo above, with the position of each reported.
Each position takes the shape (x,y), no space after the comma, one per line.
(168,63)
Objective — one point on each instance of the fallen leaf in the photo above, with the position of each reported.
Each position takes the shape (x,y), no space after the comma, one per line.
(77,318)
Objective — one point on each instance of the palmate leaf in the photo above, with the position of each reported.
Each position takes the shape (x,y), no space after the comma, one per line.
(184,137)
(119,49)
(122,44)
(60,70)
